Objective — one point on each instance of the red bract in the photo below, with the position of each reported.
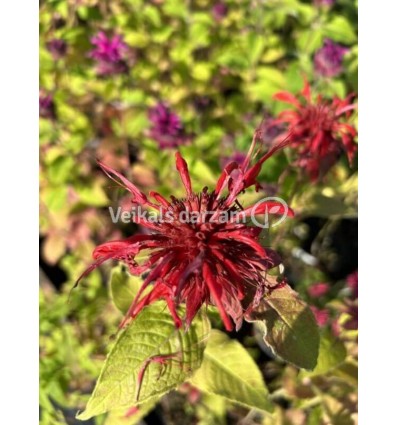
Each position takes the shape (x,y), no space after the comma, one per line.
(317,130)
(209,261)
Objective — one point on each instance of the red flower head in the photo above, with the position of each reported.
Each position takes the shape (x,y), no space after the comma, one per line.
(317,131)
(215,259)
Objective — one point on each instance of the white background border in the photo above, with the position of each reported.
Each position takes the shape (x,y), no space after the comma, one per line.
(378,196)
(19,212)
(378,164)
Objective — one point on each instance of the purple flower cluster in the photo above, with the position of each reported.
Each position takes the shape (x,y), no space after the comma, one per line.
(324,2)
(329,58)
(109,54)
(57,47)
(47,106)
(219,11)
(237,157)
(167,128)
(270,129)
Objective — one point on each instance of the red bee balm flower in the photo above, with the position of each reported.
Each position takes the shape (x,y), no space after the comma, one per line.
(208,260)
(317,131)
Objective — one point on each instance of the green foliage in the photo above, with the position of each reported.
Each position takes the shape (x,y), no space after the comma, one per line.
(124,288)
(219,75)
(289,327)
(229,371)
(149,358)
(332,354)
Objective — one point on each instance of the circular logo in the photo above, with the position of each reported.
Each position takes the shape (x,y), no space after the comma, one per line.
(269,206)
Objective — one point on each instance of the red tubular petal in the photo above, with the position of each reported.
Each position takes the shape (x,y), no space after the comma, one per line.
(344,109)
(223,179)
(116,250)
(182,168)
(111,247)
(137,305)
(251,175)
(120,247)
(230,267)
(194,298)
(287,97)
(237,236)
(349,146)
(173,311)
(139,197)
(347,128)
(159,198)
(215,291)
(306,90)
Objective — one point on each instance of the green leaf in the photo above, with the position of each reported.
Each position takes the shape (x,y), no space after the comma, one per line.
(269,81)
(290,329)
(340,29)
(92,195)
(332,354)
(228,370)
(124,287)
(149,358)
(202,71)
(129,417)
(256,46)
(310,40)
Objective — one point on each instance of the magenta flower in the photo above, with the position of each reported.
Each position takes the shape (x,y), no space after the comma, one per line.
(47,106)
(352,283)
(271,129)
(57,47)
(328,59)
(238,157)
(318,290)
(219,11)
(109,54)
(324,2)
(214,259)
(321,315)
(167,128)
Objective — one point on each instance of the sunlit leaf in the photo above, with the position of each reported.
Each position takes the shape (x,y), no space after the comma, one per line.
(124,287)
(149,358)
(331,354)
(229,370)
(289,327)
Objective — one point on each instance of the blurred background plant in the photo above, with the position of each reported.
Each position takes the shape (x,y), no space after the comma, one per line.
(129,81)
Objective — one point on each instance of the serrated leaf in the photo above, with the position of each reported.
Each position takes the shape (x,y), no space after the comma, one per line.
(149,358)
(289,326)
(228,370)
(124,287)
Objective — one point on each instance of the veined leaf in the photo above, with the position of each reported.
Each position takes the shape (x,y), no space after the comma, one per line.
(229,370)
(289,327)
(149,358)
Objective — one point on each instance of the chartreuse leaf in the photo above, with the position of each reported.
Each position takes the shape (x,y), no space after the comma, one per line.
(339,29)
(290,329)
(149,358)
(332,354)
(124,287)
(228,370)
(129,416)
